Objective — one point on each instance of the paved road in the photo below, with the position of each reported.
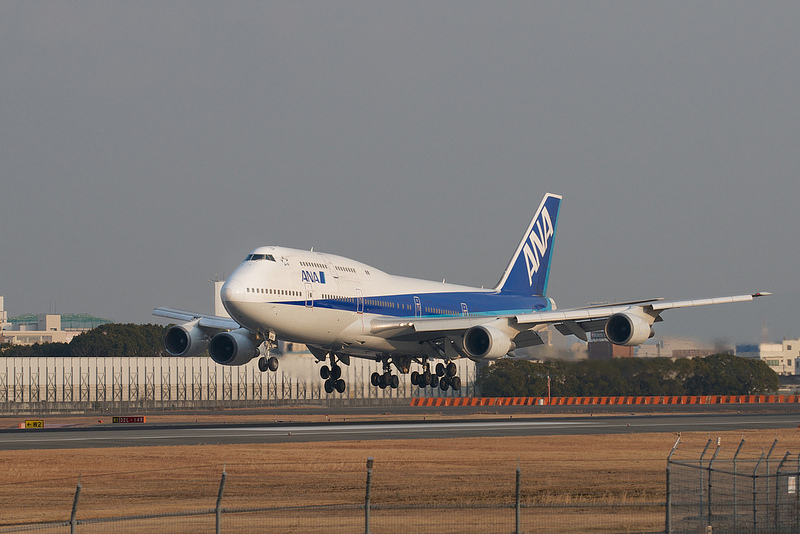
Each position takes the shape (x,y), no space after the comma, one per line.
(149,435)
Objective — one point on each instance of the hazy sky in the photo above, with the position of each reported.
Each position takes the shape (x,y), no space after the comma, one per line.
(147,146)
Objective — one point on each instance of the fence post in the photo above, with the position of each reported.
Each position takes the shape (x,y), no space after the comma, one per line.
(705,450)
(766,484)
(710,463)
(736,476)
(367,496)
(518,508)
(219,500)
(668,519)
(755,494)
(72,522)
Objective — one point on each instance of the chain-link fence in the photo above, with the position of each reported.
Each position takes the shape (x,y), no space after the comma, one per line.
(740,494)
(345,497)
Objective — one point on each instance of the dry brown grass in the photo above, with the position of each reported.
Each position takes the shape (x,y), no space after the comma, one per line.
(39,485)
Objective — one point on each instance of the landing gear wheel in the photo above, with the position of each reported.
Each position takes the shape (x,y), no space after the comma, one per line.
(434,381)
(414,378)
(451,370)
(455,383)
(375,379)
(272,363)
(336,372)
(395,382)
(324,372)
(340,386)
(440,369)
(329,386)
(262,364)
(382,381)
(426,379)
(444,383)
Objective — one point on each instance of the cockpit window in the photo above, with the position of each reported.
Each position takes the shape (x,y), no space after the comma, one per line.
(257,257)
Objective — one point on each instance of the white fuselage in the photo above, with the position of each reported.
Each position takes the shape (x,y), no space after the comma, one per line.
(327,300)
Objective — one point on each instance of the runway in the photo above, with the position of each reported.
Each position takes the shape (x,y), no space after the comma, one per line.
(193,434)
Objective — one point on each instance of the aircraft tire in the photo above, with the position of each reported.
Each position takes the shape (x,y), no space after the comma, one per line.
(262,364)
(272,363)
(414,378)
(340,386)
(375,379)
(451,370)
(336,372)
(329,386)
(434,381)
(324,372)
(444,383)
(395,381)
(427,378)
(440,369)
(455,382)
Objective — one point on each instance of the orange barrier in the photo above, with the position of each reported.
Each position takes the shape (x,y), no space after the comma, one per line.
(602,401)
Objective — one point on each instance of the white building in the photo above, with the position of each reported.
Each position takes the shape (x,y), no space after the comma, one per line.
(783,358)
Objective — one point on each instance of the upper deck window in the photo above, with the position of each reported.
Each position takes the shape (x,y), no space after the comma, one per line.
(257,257)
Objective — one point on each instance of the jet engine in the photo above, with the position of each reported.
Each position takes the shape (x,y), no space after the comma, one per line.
(628,329)
(185,340)
(233,348)
(486,342)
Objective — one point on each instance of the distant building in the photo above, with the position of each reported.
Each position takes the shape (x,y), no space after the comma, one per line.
(600,348)
(44,328)
(672,347)
(783,358)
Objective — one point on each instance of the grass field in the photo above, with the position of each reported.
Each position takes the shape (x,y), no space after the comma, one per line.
(39,485)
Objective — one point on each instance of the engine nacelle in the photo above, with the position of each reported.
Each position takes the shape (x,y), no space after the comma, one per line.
(185,340)
(233,348)
(628,329)
(486,342)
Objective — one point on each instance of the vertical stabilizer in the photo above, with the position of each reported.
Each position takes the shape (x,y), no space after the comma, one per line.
(529,269)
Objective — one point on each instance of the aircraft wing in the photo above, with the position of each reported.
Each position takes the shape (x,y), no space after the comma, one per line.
(577,321)
(203,321)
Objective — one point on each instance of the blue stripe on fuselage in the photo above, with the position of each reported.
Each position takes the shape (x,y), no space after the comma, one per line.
(438,304)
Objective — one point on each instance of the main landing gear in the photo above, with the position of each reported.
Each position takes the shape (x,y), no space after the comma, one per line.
(385,380)
(332,377)
(444,378)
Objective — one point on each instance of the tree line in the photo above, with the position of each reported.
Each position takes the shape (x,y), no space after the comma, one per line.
(108,340)
(719,374)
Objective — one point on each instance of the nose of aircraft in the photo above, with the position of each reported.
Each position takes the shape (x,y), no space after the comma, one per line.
(231,292)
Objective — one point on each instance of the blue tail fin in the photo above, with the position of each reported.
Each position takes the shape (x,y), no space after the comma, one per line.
(529,269)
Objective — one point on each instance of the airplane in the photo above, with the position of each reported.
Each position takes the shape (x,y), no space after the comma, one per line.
(342,309)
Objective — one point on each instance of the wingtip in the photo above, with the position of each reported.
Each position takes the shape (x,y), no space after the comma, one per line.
(762,294)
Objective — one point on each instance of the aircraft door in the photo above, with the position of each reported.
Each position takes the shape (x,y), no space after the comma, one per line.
(359,301)
(309,296)
(417,307)
(464,309)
